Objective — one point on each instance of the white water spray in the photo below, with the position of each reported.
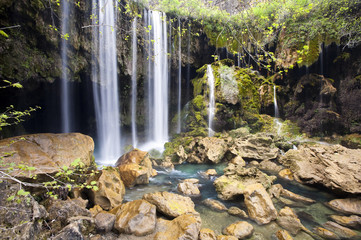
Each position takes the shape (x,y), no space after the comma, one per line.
(212,101)
(134,82)
(179,126)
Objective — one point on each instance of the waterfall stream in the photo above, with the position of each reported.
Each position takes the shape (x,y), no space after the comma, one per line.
(212,101)
(65,88)
(105,82)
(179,127)
(134,83)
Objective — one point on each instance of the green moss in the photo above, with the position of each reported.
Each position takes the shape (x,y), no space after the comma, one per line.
(199,102)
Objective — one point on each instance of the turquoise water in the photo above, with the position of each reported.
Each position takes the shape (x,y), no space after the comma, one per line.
(310,215)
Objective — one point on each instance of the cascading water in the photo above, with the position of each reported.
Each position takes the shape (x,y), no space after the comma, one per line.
(179,127)
(158,82)
(134,82)
(212,101)
(65,88)
(105,81)
(277,122)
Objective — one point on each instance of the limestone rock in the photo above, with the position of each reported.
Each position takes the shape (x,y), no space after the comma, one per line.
(259,204)
(137,217)
(188,188)
(239,161)
(170,204)
(211,172)
(283,235)
(347,205)
(207,234)
(237,212)
(351,221)
(275,190)
(48,153)
(104,222)
(239,229)
(110,189)
(225,237)
(71,231)
(334,167)
(186,226)
(208,149)
(234,181)
(269,166)
(286,173)
(95,210)
(342,232)
(214,204)
(256,147)
(135,167)
(322,232)
(296,197)
(288,220)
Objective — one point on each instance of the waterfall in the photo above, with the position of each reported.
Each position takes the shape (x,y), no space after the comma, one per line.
(105,82)
(277,114)
(65,88)
(179,127)
(212,101)
(157,82)
(134,82)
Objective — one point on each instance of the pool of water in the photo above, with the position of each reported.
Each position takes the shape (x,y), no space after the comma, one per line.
(311,215)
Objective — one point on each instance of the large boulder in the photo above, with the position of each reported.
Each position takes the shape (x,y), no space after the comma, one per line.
(170,204)
(236,179)
(188,188)
(259,204)
(334,167)
(135,168)
(137,217)
(110,190)
(239,229)
(347,205)
(46,153)
(255,147)
(186,226)
(211,149)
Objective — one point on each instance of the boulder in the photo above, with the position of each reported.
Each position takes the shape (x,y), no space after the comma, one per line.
(211,172)
(214,204)
(283,235)
(275,190)
(288,220)
(207,234)
(239,229)
(326,234)
(256,147)
(259,204)
(186,226)
(104,222)
(239,161)
(334,167)
(188,188)
(286,174)
(226,237)
(296,197)
(135,168)
(269,166)
(351,221)
(137,217)
(347,205)
(170,204)
(235,211)
(46,153)
(342,232)
(95,210)
(110,190)
(235,180)
(208,149)
(79,227)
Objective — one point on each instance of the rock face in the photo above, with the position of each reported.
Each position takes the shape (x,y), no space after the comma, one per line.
(347,205)
(259,204)
(110,189)
(186,226)
(240,230)
(137,217)
(135,168)
(236,179)
(170,204)
(334,167)
(256,147)
(47,152)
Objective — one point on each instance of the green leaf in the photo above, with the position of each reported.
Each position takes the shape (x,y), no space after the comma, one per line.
(4,34)
(22,192)
(93,183)
(10,198)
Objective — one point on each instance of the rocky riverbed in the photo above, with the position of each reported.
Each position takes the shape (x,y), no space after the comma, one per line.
(234,186)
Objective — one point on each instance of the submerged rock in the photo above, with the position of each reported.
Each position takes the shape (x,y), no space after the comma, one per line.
(237,212)
(283,235)
(207,234)
(334,167)
(186,226)
(322,232)
(47,153)
(347,205)
(259,204)
(342,232)
(170,204)
(214,204)
(351,221)
(235,180)
(225,237)
(137,217)
(288,220)
(239,229)
(296,197)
